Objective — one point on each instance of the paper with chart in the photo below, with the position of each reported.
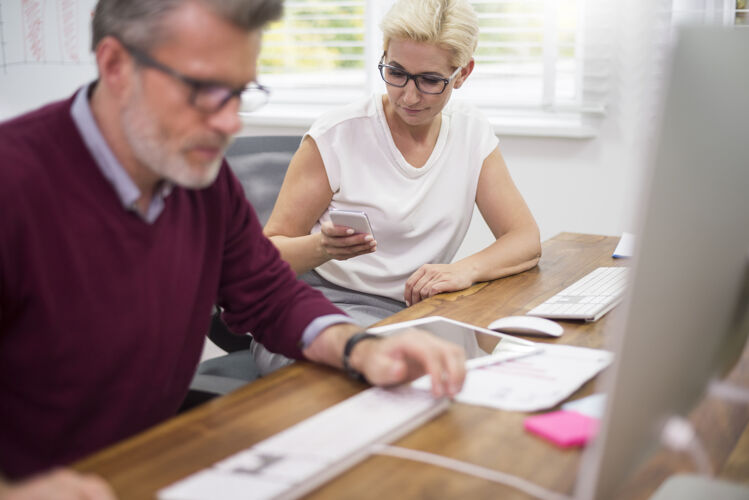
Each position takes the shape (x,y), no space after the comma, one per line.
(45,52)
(534,382)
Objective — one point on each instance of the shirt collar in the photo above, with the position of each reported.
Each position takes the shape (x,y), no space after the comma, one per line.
(108,164)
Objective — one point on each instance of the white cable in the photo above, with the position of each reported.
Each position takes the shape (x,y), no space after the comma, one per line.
(470,469)
(728,391)
(679,435)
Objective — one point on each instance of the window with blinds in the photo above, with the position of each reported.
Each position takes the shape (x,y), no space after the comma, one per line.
(537,62)
(316,53)
(742,14)
(317,40)
(717,12)
(527,54)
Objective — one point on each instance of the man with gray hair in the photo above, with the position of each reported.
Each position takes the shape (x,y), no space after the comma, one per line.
(121,225)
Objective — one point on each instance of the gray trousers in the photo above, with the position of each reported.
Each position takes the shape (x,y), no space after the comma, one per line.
(364,308)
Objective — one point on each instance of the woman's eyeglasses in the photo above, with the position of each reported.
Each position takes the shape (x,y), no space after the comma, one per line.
(426,83)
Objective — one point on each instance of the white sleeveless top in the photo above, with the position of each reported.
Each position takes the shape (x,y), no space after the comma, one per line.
(418,215)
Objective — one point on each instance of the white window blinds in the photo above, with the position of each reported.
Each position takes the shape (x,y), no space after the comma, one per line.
(541,65)
(316,53)
(717,12)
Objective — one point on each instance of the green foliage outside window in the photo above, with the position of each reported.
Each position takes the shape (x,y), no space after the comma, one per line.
(314,36)
(317,35)
(741,17)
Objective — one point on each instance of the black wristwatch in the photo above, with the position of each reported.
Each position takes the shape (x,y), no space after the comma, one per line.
(350,343)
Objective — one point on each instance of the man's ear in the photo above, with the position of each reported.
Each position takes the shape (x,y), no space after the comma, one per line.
(467,70)
(116,66)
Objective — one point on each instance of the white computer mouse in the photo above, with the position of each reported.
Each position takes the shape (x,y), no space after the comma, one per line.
(527,325)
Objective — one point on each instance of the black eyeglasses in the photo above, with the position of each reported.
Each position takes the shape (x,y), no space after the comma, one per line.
(426,83)
(206,95)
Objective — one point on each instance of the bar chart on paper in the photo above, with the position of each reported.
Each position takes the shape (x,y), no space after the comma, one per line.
(44,51)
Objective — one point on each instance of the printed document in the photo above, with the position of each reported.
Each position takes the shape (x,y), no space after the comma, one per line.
(531,383)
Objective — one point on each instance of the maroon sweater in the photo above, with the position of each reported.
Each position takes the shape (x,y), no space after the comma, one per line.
(103,316)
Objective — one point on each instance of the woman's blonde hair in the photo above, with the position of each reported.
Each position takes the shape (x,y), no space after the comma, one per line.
(449,23)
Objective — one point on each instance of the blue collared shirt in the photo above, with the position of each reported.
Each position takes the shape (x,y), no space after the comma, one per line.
(110,167)
(129,193)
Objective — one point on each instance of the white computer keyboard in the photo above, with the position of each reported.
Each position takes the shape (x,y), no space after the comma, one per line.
(588,298)
(304,456)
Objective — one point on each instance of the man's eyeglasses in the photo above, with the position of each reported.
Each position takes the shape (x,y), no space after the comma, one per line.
(206,95)
(426,83)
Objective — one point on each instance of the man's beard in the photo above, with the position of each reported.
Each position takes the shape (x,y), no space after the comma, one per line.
(153,148)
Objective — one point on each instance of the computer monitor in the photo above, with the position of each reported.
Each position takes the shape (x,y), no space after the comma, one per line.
(684,320)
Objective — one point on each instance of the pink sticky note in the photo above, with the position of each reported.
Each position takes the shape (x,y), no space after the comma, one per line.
(564,428)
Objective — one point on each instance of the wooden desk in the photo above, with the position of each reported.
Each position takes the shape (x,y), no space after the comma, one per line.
(138,467)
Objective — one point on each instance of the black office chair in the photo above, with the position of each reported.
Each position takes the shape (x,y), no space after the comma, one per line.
(260,164)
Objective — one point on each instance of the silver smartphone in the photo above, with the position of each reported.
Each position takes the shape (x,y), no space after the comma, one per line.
(358,221)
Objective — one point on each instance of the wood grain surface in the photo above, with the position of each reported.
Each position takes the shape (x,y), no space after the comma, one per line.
(141,465)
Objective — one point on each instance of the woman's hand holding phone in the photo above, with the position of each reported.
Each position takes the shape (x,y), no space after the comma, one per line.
(342,242)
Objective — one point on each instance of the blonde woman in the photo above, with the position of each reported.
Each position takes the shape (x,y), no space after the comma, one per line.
(415,163)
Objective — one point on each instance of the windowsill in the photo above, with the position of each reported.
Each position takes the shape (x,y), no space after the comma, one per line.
(567,127)
(297,118)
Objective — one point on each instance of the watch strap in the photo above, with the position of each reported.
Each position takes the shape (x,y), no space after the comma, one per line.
(350,343)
